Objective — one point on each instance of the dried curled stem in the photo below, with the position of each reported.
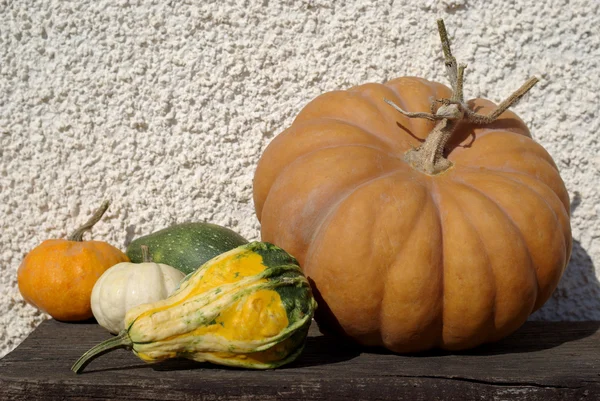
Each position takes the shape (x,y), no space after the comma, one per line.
(429,157)
(450,61)
(77,235)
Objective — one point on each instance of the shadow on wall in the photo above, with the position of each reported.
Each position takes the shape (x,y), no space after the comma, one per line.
(129,236)
(577,296)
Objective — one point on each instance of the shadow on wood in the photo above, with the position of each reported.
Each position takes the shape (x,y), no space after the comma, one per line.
(318,351)
(325,350)
(533,338)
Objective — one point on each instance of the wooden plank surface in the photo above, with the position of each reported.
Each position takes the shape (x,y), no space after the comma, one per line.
(542,361)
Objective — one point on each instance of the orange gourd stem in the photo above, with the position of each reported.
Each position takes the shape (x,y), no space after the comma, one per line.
(429,157)
(77,235)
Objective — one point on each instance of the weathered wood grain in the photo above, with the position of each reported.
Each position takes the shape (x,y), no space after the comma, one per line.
(542,361)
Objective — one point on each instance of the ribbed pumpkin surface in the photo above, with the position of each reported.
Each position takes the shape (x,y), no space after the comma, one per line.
(404,259)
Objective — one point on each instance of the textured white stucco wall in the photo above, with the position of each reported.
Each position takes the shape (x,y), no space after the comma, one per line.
(165,106)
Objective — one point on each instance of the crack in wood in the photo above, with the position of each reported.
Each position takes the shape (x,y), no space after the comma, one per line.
(489,382)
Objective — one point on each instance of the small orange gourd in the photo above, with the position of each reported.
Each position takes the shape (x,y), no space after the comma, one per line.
(422,220)
(58,275)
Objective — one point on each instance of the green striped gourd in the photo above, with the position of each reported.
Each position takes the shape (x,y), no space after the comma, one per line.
(185,246)
(249,307)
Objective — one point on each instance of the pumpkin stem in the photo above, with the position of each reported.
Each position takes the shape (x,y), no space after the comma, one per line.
(77,235)
(450,61)
(146,258)
(429,157)
(120,341)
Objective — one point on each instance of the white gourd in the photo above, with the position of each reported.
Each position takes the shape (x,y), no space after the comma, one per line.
(126,285)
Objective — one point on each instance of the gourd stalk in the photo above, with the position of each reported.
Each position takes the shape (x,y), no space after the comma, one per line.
(120,341)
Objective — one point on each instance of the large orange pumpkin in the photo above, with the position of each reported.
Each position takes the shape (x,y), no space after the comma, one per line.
(409,258)
(58,275)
